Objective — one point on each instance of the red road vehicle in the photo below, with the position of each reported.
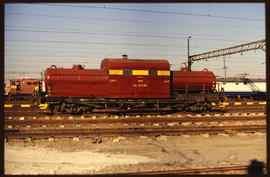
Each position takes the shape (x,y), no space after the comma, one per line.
(128,84)
(23,89)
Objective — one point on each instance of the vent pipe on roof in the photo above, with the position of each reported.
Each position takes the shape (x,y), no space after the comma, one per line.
(125,56)
(77,67)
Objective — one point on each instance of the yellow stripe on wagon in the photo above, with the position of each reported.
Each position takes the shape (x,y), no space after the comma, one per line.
(140,72)
(25,105)
(8,105)
(115,72)
(163,73)
(237,103)
(250,103)
(264,102)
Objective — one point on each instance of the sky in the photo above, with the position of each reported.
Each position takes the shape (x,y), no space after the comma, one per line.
(39,35)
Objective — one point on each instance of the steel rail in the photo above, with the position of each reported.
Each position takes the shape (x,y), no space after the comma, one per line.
(131,131)
(135,120)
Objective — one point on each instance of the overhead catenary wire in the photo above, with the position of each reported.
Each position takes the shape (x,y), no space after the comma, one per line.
(14,27)
(77,53)
(134,21)
(101,43)
(93,43)
(119,34)
(18,46)
(25,51)
(39,46)
(154,11)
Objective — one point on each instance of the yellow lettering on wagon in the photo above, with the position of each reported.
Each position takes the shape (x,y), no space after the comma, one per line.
(142,85)
(112,80)
(49,91)
(166,81)
(214,85)
(115,72)
(163,73)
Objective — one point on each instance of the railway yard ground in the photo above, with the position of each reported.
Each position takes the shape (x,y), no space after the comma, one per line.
(176,143)
(135,154)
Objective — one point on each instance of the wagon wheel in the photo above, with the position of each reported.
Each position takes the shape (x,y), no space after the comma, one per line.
(89,109)
(199,108)
(192,107)
(73,109)
(56,109)
(79,110)
(179,108)
(208,106)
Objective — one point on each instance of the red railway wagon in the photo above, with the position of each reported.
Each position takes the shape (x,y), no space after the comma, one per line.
(23,88)
(127,84)
(193,81)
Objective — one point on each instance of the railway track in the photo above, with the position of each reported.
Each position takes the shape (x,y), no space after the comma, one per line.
(36,123)
(136,119)
(130,131)
(21,127)
(40,116)
(232,108)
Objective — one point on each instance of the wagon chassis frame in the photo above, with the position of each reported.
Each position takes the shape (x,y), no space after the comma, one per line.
(194,103)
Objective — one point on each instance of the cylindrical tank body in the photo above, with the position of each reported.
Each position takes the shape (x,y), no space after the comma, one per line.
(186,80)
(76,82)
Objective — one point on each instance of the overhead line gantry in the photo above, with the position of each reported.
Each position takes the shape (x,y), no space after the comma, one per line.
(227,51)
